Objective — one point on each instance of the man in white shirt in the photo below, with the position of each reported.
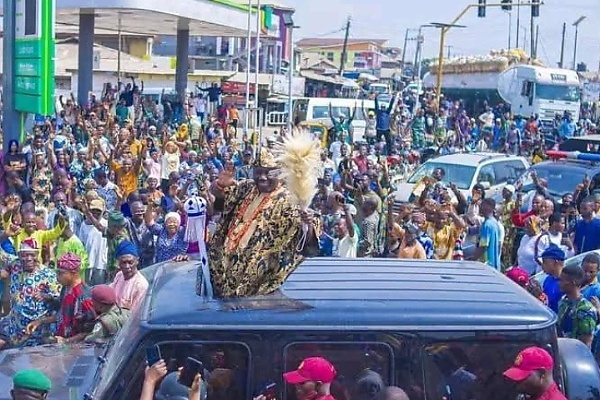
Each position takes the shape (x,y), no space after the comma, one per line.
(95,244)
(345,245)
(200,106)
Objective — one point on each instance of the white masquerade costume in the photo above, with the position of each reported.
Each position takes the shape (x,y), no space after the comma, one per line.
(195,234)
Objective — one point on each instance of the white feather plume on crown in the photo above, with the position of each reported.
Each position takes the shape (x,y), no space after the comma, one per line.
(300,158)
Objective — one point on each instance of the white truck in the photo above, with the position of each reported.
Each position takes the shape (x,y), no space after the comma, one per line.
(529,89)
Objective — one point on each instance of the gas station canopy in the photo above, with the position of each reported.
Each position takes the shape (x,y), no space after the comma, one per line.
(160,17)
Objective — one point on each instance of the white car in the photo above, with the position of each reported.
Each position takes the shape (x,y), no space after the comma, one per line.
(492,170)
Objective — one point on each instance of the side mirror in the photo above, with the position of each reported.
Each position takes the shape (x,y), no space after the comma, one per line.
(486,185)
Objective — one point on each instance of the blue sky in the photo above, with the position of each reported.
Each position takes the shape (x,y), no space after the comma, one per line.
(388,19)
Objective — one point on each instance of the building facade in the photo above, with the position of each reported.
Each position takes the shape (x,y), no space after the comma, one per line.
(362,54)
(230,53)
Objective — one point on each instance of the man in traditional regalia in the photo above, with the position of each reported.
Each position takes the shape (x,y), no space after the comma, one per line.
(266,228)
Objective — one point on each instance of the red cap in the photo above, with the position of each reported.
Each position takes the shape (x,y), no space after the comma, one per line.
(518,275)
(311,369)
(529,360)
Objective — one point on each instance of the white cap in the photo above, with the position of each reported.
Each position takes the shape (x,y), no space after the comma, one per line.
(510,188)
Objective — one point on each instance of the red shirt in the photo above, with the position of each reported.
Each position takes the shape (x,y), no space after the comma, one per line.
(518,219)
(76,309)
(361,164)
(552,393)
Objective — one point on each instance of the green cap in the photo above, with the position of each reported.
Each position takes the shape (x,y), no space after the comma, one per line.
(32,379)
(116,218)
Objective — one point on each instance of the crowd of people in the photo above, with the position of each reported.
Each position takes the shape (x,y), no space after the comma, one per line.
(96,195)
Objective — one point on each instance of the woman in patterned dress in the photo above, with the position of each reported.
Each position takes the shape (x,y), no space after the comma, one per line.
(41,180)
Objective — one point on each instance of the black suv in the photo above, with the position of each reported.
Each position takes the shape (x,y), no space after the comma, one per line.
(415,323)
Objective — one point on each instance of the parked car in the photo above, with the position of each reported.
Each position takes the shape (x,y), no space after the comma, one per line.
(413,322)
(562,176)
(492,170)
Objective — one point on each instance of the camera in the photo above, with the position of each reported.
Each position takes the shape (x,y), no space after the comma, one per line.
(62,210)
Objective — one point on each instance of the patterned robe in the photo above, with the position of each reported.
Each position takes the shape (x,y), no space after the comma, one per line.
(24,307)
(255,247)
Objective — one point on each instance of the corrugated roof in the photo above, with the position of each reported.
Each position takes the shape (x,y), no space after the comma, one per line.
(356,294)
(309,60)
(263,79)
(330,42)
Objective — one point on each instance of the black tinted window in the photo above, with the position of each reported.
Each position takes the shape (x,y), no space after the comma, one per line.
(469,371)
(226,368)
(354,363)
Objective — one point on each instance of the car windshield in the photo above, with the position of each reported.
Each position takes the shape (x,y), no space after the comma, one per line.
(323,112)
(460,175)
(557,92)
(379,89)
(561,180)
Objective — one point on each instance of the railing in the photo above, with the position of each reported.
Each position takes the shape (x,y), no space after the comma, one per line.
(277,118)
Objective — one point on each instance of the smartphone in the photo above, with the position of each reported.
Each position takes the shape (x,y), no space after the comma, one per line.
(268,390)
(190,370)
(153,355)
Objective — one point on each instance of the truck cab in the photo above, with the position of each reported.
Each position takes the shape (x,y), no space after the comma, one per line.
(414,323)
(540,90)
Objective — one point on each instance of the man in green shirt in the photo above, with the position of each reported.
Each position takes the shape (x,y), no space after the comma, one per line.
(69,243)
(110,318)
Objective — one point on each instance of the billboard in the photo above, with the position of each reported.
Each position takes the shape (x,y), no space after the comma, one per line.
(34,56)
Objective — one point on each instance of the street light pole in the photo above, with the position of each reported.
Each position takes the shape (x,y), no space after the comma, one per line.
(248,54)
(257,64)
(444,28)
(289,23)
(291,67)
(419,58)
(576,25)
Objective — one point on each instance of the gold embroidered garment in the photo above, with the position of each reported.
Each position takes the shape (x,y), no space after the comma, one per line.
(254,248)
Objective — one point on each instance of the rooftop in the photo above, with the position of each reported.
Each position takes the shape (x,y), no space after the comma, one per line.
(470,159)
(334,42)
(67,61)
(365,294)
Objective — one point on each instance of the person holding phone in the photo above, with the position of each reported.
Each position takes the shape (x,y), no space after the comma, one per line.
(157,376)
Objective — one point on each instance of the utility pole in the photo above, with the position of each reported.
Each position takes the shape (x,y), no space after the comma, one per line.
(518,22)
(532,36)
(448,48)
(576,25)
(418,53)
(404,48)
(345,48)
(537,39)
(561,63)
(509,29)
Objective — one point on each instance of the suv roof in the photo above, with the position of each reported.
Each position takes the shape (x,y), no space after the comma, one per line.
(358,294)
(471,159)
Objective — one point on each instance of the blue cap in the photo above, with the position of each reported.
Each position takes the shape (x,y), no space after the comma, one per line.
(126,248)
(553,252)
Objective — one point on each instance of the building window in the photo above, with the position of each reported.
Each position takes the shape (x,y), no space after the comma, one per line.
(330,56)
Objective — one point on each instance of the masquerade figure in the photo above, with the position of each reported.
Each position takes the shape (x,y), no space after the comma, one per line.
(195,234)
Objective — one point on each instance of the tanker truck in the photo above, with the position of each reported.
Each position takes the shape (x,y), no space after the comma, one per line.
(509,77)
